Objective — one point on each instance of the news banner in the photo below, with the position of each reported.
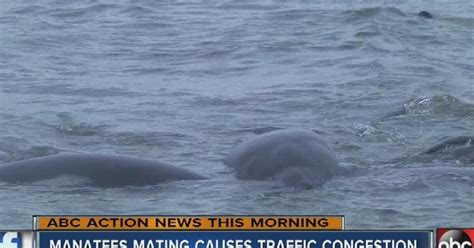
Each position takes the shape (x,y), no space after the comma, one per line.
(222,232)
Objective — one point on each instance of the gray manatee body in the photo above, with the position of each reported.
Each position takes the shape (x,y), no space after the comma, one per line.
(460,148)
(103,170)
(425,14)
(300,158)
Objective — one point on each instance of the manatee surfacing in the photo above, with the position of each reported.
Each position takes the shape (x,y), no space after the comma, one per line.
(425,14)
(464,154)
(298,157)
(102,170)
(460,148)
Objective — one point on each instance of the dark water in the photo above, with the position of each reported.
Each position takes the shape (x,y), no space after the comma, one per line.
(185,81)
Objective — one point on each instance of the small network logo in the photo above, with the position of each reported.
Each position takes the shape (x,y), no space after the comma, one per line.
(10,240)
(455,238)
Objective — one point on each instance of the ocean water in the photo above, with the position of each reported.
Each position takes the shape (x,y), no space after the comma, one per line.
(186,81)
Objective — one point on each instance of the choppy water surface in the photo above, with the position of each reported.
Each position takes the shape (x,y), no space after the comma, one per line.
(185,81)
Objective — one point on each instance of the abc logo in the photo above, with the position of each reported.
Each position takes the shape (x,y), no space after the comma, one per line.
(10,240)
(454,239)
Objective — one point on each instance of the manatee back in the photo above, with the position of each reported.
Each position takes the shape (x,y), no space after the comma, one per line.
(298,153)
(103,170)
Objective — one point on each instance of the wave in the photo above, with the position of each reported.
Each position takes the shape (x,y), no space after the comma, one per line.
(261,130)
(137,10)
(29,9)
(148,139)
(372,12)
(372,132)
(435,105)
(467,22)
(214,101)
(15,153)
(71,90)
(68,126)
(81,11)
(81,129)
(248,5)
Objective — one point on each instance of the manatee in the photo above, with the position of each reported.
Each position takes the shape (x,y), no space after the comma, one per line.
(299,158)
(460,148)
(425,14)
(102,170)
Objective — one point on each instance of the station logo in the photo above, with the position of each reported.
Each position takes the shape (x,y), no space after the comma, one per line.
(454,238)
(10,240)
